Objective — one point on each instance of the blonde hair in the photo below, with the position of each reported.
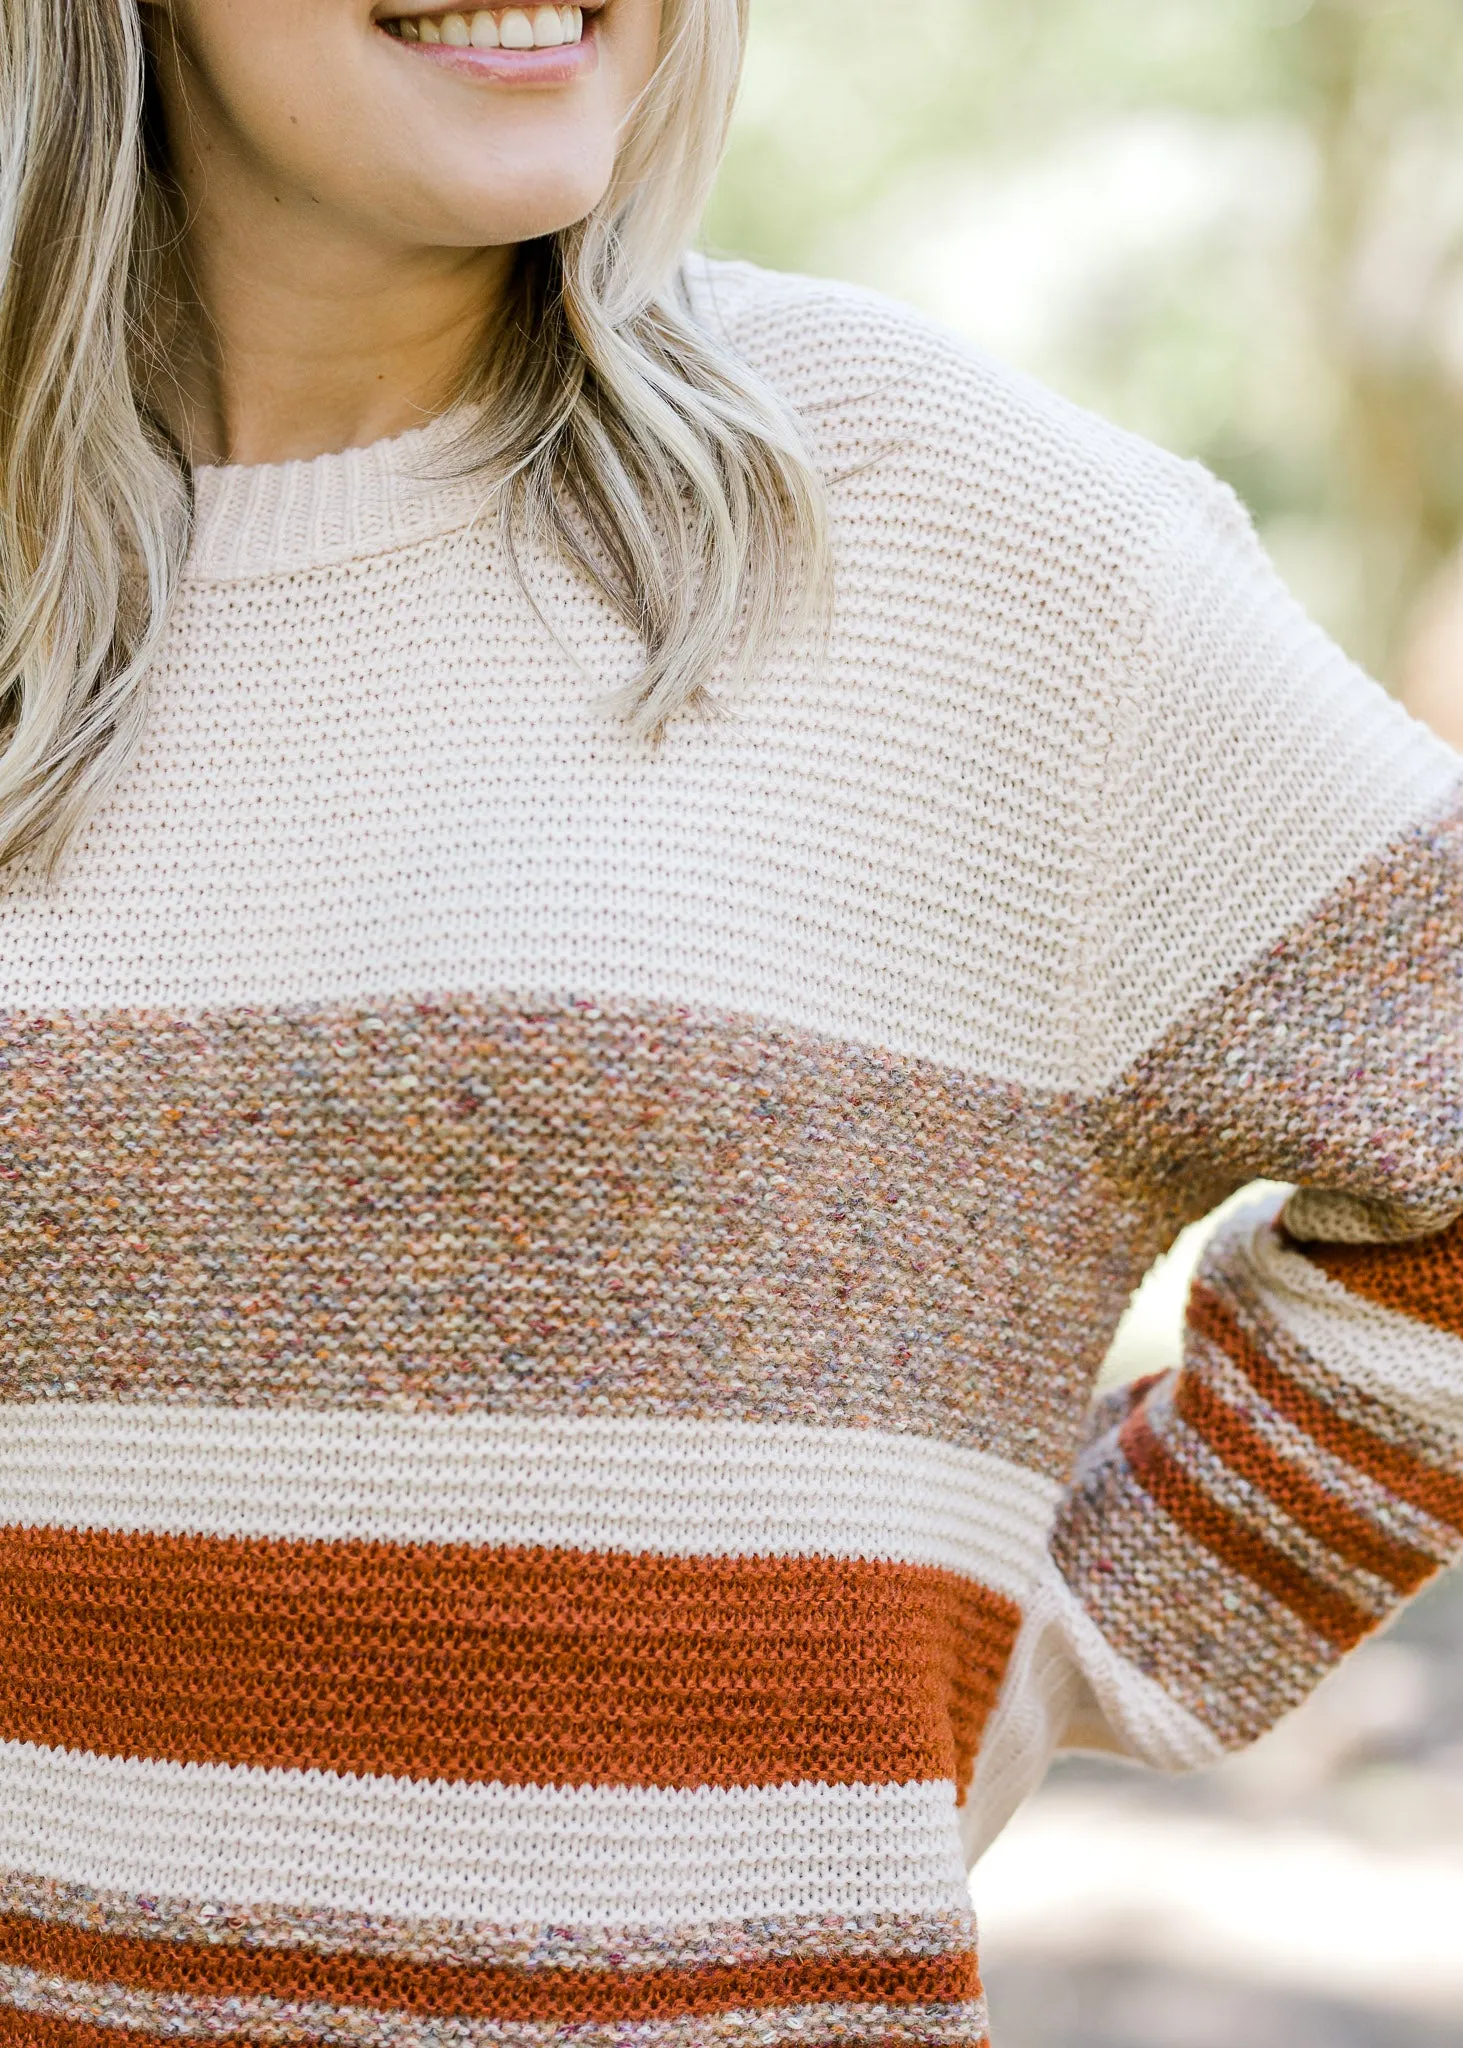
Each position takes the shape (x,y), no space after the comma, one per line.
(627,434)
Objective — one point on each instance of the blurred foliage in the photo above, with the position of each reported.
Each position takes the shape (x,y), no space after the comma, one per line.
(1235,225)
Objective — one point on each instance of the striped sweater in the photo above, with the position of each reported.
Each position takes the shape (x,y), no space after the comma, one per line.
(549,1488)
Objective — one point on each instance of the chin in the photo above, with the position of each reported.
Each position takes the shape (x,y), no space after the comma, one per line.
(537,218)
(522,208)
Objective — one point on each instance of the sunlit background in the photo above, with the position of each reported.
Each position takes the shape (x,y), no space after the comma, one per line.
(1236,226)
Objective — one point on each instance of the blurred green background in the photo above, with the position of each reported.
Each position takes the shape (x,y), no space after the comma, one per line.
(1235,225)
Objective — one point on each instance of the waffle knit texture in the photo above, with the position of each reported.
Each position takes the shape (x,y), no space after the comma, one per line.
(548,1480)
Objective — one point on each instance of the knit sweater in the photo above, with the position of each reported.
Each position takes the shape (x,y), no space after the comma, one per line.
(549,1487)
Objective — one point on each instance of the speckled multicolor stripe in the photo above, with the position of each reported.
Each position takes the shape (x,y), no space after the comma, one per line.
(1332,1062)
(724,1945)
(564,1209)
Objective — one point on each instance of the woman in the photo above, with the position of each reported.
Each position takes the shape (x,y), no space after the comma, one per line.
(636,894)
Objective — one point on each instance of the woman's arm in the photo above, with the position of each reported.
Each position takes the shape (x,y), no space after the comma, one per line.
(1274,991)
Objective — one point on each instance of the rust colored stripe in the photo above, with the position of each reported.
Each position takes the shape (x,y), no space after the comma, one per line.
(525,1666)
(1342,1528)
(1421,1277)
(447,1990)
(1338,1620)
(1425,1487)
(41,2030)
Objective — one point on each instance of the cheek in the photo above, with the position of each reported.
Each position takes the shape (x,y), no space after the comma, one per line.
(267,68)
(631,33)
(277,91)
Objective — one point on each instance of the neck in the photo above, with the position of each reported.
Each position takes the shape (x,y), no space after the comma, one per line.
(291,334)
(283,358)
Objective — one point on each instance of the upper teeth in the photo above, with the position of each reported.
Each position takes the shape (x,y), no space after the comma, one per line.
(509,28)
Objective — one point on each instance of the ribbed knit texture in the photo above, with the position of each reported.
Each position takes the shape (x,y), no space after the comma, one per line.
(548,1483)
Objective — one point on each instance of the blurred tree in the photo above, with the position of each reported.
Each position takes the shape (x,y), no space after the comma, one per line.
(1236,227)
(1382,91)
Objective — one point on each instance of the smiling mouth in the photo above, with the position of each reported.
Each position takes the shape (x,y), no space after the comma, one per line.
(499,28)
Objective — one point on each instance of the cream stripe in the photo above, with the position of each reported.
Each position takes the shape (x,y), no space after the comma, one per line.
(601,1855)
(1408,1364)
(723,1489)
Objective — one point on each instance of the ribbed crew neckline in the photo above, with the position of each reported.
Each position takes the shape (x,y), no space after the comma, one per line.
(281,518)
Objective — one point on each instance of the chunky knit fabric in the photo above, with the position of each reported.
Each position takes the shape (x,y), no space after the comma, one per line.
(552,1290)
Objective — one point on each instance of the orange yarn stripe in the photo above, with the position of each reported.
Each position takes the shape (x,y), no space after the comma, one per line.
(526,1666)
(1427,1487)
(1421,1277)
(1332,1616)
(445,1990)
(1334,1522)
(40,2030)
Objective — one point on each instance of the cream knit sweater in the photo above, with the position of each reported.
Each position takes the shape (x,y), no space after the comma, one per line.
(552,1291)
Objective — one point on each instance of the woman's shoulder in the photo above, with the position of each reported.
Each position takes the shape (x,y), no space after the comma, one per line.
(874,379)
(955,443)
(950,470)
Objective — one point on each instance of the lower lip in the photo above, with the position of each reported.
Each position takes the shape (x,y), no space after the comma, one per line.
(511,67)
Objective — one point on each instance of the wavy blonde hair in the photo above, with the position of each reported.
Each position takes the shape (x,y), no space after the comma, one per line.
(627,435)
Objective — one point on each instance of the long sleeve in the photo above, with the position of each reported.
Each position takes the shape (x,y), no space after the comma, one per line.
(1275,990)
